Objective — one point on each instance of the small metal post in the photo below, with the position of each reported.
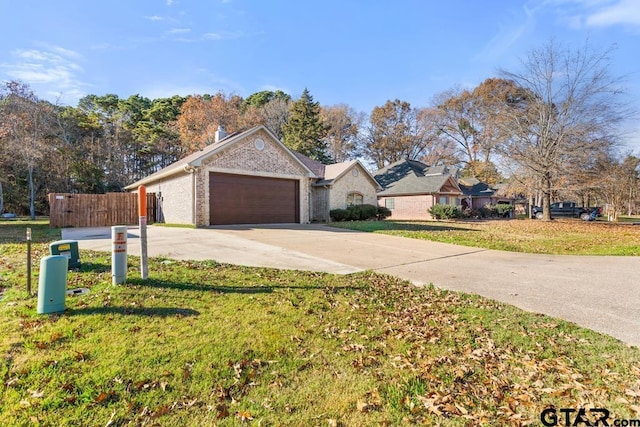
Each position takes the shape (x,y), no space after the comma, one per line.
(29,261)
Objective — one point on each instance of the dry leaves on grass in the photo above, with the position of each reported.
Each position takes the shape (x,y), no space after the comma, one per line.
(455,368)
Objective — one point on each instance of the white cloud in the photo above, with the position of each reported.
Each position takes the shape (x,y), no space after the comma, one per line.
(52,71)
(170,2)
(509,34)
(212,36)
(623,12)
(155,18)
(597,13)
(179,30)
(221,35)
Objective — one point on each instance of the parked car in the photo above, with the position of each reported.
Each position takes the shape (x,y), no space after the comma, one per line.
(570,210)
(8,215)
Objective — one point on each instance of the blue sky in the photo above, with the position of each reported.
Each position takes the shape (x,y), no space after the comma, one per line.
(358,52)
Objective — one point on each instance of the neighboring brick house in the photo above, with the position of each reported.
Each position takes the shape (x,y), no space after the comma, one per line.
(478,194)
(251,178)
(410,188)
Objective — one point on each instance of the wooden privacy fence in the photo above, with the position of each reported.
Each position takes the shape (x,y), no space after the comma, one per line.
(98,210)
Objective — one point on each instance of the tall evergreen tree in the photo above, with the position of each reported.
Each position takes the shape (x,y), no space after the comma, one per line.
(304,132)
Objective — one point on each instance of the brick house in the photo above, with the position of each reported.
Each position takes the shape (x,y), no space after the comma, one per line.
(410,188)
(478,194)
(251,178)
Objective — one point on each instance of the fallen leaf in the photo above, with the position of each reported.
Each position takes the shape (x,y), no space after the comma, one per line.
(244,416)
(37,394)
(223,411)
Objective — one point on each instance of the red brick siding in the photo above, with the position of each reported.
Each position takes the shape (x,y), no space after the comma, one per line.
(410,207)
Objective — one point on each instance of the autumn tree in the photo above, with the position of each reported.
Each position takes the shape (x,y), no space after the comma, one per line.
(343,131)
(201,115)
(304,132)
(395,132)
(572,111)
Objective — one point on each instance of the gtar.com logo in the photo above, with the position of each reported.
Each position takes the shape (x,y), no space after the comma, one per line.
(582,417)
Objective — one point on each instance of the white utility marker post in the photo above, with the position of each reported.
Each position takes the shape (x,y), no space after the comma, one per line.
(119,254)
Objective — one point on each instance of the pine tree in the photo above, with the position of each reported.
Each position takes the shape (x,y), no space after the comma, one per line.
(304,132)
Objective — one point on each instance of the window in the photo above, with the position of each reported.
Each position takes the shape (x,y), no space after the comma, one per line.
(448,200)
(390,203)
(354,199)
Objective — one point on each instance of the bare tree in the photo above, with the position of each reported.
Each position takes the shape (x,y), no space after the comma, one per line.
(572,110)
(618,184)
(25,123)
(275,114)
(471,120)
(437,149)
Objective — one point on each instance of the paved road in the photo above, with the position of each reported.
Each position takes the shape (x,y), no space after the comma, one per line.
(601,293)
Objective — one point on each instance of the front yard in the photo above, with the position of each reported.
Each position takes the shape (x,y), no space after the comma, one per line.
(201,343)
(558,237)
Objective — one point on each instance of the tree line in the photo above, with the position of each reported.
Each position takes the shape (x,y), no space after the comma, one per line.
(547,131)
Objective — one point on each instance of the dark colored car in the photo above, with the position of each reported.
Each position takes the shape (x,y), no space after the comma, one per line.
(568,210)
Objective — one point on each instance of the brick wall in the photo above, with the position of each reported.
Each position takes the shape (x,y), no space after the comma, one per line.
(176,198)
(409,207)
(245,159)
(349,184)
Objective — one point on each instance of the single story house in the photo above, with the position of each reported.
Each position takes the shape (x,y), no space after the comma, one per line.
(410,188)
(478,194)
(251,178)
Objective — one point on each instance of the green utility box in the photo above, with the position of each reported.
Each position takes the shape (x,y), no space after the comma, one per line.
(67,248)
(52,286)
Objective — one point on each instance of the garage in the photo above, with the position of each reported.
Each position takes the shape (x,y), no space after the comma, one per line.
(246,199)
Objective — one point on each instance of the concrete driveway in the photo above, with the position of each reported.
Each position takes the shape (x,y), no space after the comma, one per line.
(600,293)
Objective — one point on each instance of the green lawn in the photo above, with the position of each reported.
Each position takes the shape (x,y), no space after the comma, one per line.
(559,237)
(201,343)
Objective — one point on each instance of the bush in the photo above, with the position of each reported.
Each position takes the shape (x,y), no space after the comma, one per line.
(471,213)
(339,214)
(444,211)
(486,211)
(362,212)
(383,212)
(503,209)
(359,213)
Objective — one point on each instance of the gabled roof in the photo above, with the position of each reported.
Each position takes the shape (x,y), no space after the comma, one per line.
(413,177)
(195,160)
(336,171)
(475,188)
(315,166)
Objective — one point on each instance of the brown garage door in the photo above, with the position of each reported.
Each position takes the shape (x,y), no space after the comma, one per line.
(241,199)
